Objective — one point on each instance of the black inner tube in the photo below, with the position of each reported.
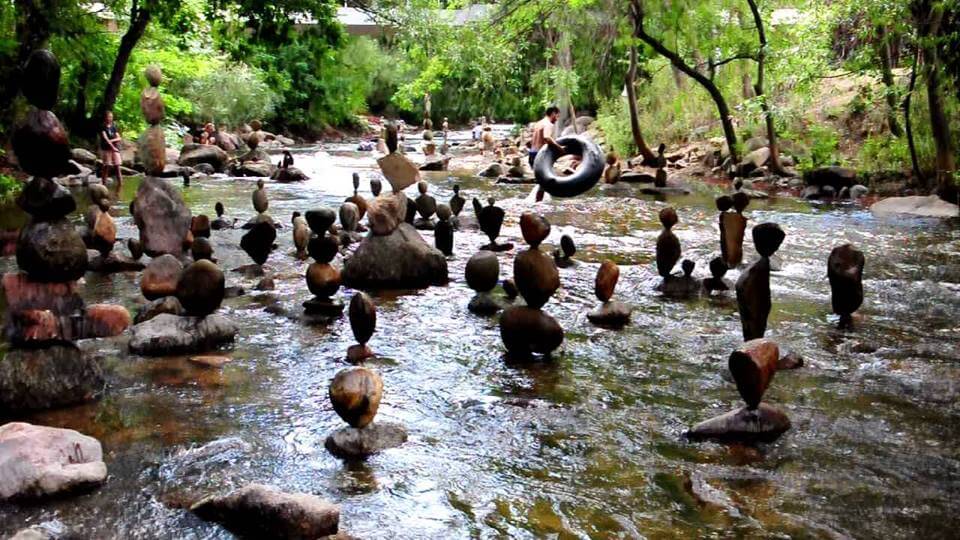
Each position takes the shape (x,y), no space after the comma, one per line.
(586,176)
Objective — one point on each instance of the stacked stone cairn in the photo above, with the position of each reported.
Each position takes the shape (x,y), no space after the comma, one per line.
(220,222)
(753,286)
(257,242)
(359,201)
(426,207)
(101,235)
(733,225)
(482,273)
(158,208)
(323,279)
(490,218)
(301,235)
(349,224)
(363,322)
(527,330)
(456,203)
(612,313)
(443,230)
(845,272)
(44,312)
(668,253)
(716,283)
(753,366)
(563,256)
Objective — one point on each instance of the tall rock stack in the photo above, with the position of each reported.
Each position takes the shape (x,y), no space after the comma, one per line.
(732,227)
(323,279)
(753,285)
(44,312)
(158,209)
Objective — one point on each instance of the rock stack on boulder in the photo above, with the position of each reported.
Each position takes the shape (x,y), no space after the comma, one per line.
(349,223)
(257,242)
(356,393)
(220,222)
(733,225)
(845,272)
(426,208)
(490,218)
(359,201)
(443,230)
(527,330)
(100,235)
(753,286)
(716,283)
(323,279)
(753,366)
(612,313)
(394,255)
(668,253)
(363,321)
(563,256)
(44,313)
(158,208)
(482,273)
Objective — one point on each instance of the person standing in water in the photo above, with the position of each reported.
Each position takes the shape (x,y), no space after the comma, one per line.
(543,133)
(110,149)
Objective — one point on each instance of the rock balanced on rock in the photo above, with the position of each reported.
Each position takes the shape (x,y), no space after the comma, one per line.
(456,205)
(426,208)
(301,235)
(258,241)
(716,283)
(323,279)
(753,286)
(753,366)
(363,322)
(482,274)
(443,230)
(527,329)
(490,218)
(358,200)
(563,256)
(845,272)
(733,225)
(611,313)
(349,223)
(220,222)
(355,393)
(668,253)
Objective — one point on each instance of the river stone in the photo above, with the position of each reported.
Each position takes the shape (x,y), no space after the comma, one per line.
(258,241)
(482,271)
(376,186)
(323,280)
(931,206)
(83,156)
(607,277)
(613,314)
(193,155)
(385,213)
(160,277)
(833,176)
(103,233)
(753,366)
(323,249)
(767,238)
(350,442)
(200,226)
(363,317)
(43,378)
(162,217)
(40,79)
(259,511)
(40,461)
(167,304)
(100,196)
(320,220)
(732,228)
(567,246)
(255,169)
(456,201)
(135,247)
(290,174)
(51,251)
(105,320)
(485,303)
(355,393)
(753,298)
(398,260)
(426,205)
(46,200)
(491,220)
(740,201)
(443,237)
(349,216)
(718,268)
(41,145)
(724,203)
(168,334)
(764,424)
(151,105)
(536,276)
(526,330)
(200,288)
(845,272)
(534,227)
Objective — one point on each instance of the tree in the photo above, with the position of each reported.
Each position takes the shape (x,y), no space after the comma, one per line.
(638,140)
(760,58)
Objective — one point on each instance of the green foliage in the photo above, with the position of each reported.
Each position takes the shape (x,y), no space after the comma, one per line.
(613,119)
(824,143)
(231,94)
(883,153)
(9,187)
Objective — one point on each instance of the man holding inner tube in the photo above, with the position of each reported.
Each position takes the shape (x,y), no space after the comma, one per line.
(543,133)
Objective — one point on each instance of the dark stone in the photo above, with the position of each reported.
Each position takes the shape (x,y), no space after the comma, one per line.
(363,317)
(204,168)
(732,228)
(200,226)
(201,249)
(323,249)
(201,288)
(567,246)
(323,280)
(718,269)
(320,220)
(845,272)
(357,443)
(763,424)
(534,227)
(510,289)
(167,304)
(443,237)
(324,307)
(40,79)
(753,366)
(767,238)
(56,376)
(525,330)
(51,251)
(135,248)
(41,145)
(375,187)
(162,217)
(426,206)
(456,201)
(668,245)
(290,174)
(611,314)
(753,298)
(258,241)
(490,218)
(536,276)
(168,334)
(259,511)
(482,271)
(161,276)
(724,203)
(46,200)
(835,177)
(740,201)
(484,303)
(397,260)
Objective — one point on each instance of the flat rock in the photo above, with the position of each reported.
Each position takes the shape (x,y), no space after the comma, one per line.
(259,511)
(930,206)
(766,423)
(352,442)
(613,314)
(398,260)
(167,304)
(34,379)
(40,461)
(168,334)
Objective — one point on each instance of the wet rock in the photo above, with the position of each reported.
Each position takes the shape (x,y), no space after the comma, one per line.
(385,213)
(193,155)
(204,168)
(41,145)
(40,461)
(363,317)
(443,232)
(45,200)
(135,248)
(83,156)
(400,259)
(255,169)
(606,282)
(320,220)
(162,217)
(668,245)
(258,241)
(833,176)
(51,251)
(525,330)
(40,79)
(152,150)
(160,277)
(39,311)
(168,334)
(323,280)
(426,205)
(259,198)
(635,177)
(100,196)
(931,206)
(200,226)
(103,234)
(259,511)
(612,313)
(55,376)
(350,442)
(484,303)
(349,216)
(456,201)
(845,272)
(535,228)
(490,218)
(764,424)
(718,268)
(200,288)
(47,530)
(323,248)
(290,174)
(210,360)
(167,304)
(201,249)
(482,271)
(753,366)
(536,277)
(493,170)
(105,320)
(355,394)
(858,191)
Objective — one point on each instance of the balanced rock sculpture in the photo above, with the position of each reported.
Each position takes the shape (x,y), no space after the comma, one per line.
(482,274)
(456,205)
(363,322)
(612,313)
(257,242)
(426,208)
(323,279)
(358,200)
(301,235)
(733,225)
(668,253)
(563,256)
(845,272)
(490,218)
(527,329)
(753,366)
(716,283)
(753,286)
(356,393)
(443,230)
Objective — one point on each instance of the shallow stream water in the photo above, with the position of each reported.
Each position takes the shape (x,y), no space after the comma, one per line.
(589,445)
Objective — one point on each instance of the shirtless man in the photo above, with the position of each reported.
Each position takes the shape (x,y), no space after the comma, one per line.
(543,133)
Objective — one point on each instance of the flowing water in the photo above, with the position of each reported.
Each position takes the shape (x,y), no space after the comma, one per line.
(589,445)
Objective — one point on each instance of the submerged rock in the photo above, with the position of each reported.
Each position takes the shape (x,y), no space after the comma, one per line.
(259,511)
(350,442)
(195,154)
(40,461)
(168,334)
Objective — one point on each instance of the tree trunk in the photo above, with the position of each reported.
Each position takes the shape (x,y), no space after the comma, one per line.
(886,74)
(677,62)
(929,18)
(32,33)
(775,166)
(139,18)
(914,162)
(638,140)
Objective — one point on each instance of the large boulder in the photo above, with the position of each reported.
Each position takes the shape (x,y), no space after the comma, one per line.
(34,379)
(83,156)
(930,206)
(168,334)
(162,217)
(833,176)
(259,511)
(52,251)
(398,260)
(40,461)
(257,169)
(290,174)
(193,154)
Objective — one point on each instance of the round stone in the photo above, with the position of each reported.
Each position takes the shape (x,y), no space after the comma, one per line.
(200,226)
(360,202)
(526,330)
(200,288)
(100,196)
(256,125)
(363,317)
(153,150)
(253,141)
(320,219)
(40,79)
(355,393)
(323,280)
(724,203)
(426,206)
(154,75)
(46,200)
(718,268)
(51,251)
(201,249)
(668,217)
(767,238)
(740,201)
(444,212)
(385,214)
(260,200)
(323,248)
(160,277)
(510,289)
(567,246)
(491,219)
(535,228)
(258,241)
(104,232)
(422,187)
(536,276)
(607,277)
(41,145)
(349,216)
(135,248)
(687,266)
(376,186)
(482,271)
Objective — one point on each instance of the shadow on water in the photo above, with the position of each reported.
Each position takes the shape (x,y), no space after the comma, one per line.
(586,445)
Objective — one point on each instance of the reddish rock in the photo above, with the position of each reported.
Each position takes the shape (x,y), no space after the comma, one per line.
(534,227)
(607,277)
(106,320)
(355,394)
(525,330)
(160,277)
(536,276)
(36,325)
(753,366)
